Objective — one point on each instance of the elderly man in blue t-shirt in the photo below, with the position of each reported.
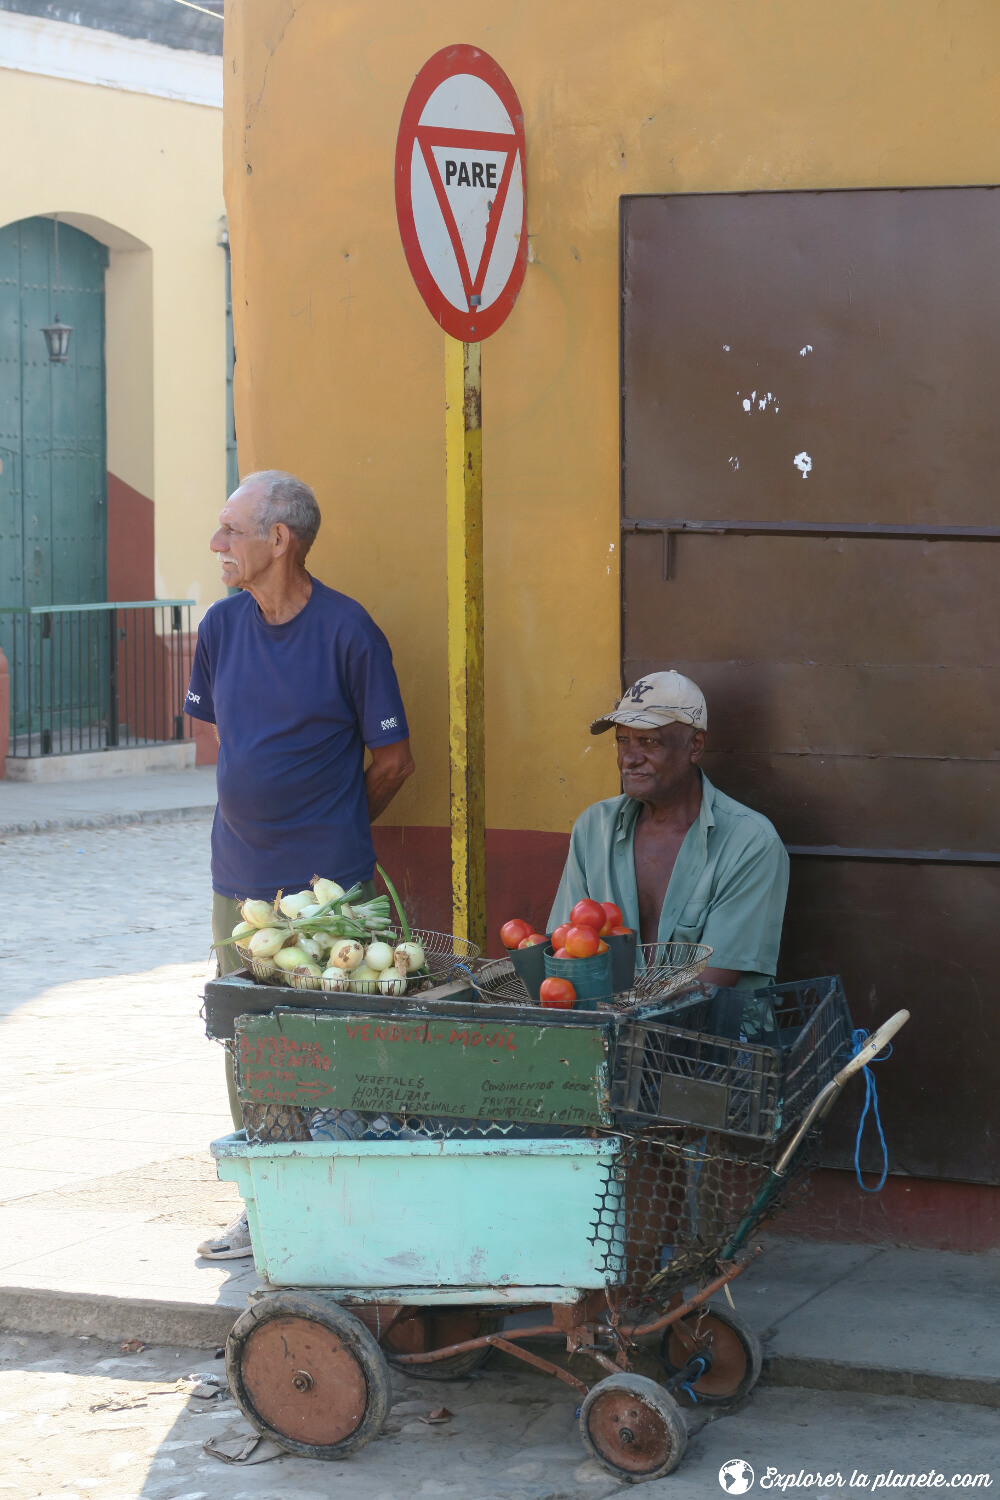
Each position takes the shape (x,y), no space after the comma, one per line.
(298,681)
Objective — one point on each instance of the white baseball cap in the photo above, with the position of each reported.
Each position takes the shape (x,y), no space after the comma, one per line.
(656,699)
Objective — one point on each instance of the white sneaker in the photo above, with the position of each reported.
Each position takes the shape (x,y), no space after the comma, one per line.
(232,1244)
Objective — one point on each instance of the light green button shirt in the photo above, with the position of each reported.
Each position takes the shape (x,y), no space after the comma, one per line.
(727,888)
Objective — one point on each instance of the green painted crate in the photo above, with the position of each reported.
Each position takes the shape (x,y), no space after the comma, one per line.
(456,1214)
(458,1067)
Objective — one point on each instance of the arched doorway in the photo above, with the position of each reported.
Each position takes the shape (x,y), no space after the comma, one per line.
(53,483)
(53,478)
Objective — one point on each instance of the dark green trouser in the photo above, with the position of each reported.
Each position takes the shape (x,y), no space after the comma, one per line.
(225,915)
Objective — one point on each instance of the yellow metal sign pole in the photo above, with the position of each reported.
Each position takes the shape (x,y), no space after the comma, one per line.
(467,735)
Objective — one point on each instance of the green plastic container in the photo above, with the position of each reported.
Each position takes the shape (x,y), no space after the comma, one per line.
(529,966)
(623,949)
(590,977)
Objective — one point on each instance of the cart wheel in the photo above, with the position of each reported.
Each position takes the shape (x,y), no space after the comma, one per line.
(306,1373)
(429,1329)
(736,1354)
(633,1427)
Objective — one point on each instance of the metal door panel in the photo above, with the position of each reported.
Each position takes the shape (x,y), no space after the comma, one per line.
(921,601)
(924,937)
(868,802)
(895,292)
(851,681)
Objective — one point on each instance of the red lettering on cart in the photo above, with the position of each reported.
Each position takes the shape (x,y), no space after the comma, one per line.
(459,1036)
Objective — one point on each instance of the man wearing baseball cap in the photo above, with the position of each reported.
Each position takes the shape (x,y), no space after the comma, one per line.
(683,861)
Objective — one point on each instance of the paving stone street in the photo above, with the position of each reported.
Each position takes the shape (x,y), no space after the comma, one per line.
(80,1421)
(113,1091)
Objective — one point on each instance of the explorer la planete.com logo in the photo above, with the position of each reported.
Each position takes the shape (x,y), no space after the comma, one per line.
(736,1476)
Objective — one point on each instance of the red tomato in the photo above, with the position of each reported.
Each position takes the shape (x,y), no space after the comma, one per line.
(559,994)
(602,947)
(559,936)
(560,953)
(511,933)
(621,932)
(535,939)
(588,914)
(605,930)
(613,914)
(581,942)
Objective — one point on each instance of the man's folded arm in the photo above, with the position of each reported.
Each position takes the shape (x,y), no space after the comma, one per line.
(390,767)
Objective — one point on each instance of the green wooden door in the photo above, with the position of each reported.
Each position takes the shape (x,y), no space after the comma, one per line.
(53,480)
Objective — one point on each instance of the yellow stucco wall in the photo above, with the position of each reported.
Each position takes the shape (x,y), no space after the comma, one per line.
(144,175)
(340,373)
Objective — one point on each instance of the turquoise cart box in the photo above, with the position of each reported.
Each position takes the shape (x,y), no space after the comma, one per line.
(469,1216)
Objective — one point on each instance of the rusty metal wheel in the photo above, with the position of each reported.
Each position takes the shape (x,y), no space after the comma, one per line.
(306,1373)
(735,1348)
(436,1328)
(633,1427)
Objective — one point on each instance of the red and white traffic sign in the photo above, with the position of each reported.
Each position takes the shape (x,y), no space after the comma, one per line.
(460,197)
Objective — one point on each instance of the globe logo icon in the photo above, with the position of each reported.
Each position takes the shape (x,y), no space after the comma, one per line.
(736,1476)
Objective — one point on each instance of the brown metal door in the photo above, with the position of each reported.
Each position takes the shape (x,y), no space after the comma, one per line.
(814,374)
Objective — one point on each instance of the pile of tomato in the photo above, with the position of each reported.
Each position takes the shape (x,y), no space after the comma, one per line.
(590,922)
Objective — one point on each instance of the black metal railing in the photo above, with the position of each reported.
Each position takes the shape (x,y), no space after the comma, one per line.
(97,676)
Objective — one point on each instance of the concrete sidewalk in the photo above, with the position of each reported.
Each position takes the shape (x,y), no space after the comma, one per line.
(112,1094)
(118,801)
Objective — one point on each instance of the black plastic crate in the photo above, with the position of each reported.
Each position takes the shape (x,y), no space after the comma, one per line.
(742,1062)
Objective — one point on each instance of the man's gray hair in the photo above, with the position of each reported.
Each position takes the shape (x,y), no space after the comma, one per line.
(288,500)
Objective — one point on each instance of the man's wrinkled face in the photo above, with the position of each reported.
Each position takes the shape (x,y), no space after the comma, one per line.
(655,762)
(244,555)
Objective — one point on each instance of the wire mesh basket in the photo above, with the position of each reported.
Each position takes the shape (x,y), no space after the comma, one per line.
(677,1198)
(444,954)
(668,969)
(742,1062)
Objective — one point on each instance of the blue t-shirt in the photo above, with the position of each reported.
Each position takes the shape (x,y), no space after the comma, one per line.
(295,706)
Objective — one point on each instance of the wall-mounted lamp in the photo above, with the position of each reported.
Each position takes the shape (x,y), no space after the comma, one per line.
(57,334)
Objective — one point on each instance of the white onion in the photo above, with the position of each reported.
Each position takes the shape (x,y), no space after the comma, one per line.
(266,941)
(391,982)
(292,905)
(257,913)
(363,980)
(325,891)
(290,958)
(378,956)
(346,954)
(414,955)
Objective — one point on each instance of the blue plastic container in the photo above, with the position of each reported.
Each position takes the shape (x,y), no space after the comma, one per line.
(452,1214)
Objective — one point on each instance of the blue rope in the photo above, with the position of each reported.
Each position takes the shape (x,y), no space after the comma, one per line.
(858,1040)
(466,970)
